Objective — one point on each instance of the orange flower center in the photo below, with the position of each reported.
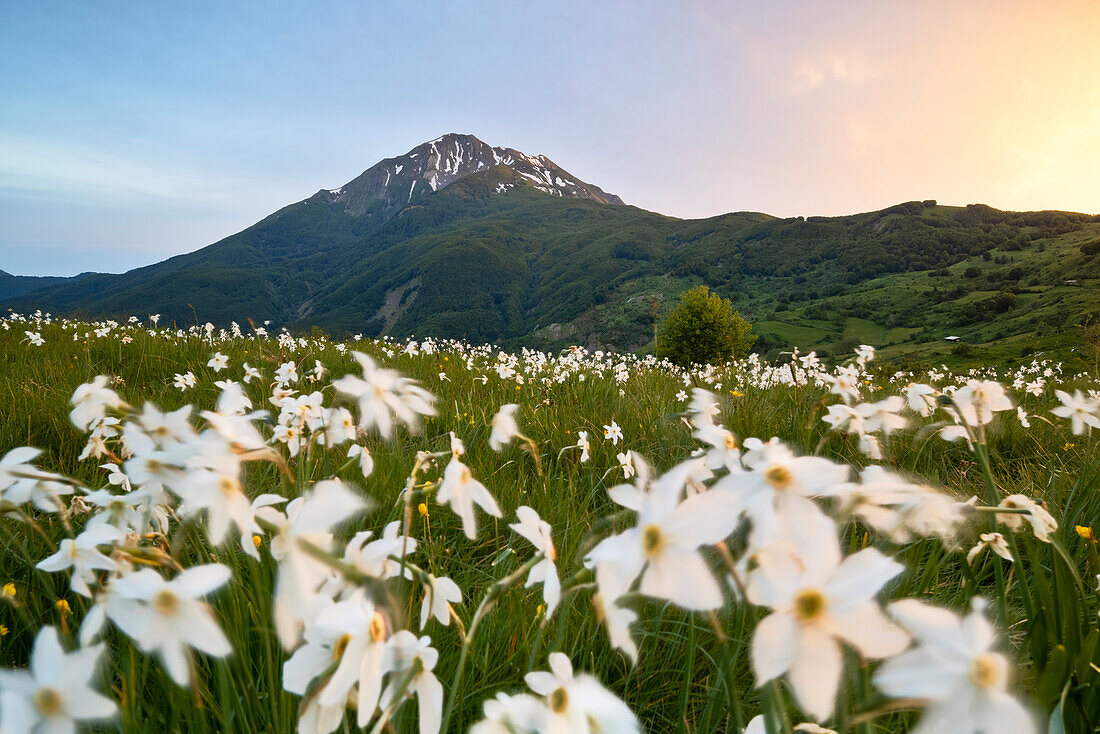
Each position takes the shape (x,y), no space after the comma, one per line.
(166,602)
(47,701)
(809,605)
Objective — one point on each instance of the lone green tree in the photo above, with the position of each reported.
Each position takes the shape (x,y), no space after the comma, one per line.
(703,329)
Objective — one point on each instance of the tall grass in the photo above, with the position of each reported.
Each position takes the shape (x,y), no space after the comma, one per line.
(693,673)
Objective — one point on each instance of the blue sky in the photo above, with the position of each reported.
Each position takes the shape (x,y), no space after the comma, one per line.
(133,131)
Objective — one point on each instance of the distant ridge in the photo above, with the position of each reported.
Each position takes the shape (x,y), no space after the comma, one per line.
(457,238)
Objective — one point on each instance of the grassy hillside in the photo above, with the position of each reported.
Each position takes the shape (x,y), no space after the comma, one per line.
(13,286)
(483,261)
(825,286)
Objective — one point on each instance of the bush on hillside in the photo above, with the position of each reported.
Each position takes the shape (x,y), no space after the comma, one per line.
(704,329)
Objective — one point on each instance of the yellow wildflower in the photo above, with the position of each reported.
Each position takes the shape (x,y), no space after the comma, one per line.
(1084,531)
(422,509)
(8,591)
(256,540)
(63,606)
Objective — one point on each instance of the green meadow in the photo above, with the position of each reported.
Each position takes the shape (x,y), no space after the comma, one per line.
(693,672)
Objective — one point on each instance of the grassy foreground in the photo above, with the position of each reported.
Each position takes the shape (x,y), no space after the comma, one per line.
(693,672)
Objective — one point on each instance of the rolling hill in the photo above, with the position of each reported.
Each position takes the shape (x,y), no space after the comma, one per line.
(457,238)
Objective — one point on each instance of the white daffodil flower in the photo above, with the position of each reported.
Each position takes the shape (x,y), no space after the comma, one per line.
(504,714)
(504,427)
(83,557)
(578,704)
(703,407)
(232,400)
(610,587)
(995,542)
(583,445)
(1042,522)
(900,509)
(537,531)
(977,401)
(883,415)
(308,518)
(921,398)
(366,461)
(166,429)
(1083,413)
(626,463)
(218,362)
(953,668)
(778,487)
(169,616)
(663,546)
(286,373)
(21,481)
(439,594)
(373,557)
(385,397)
(54,694)
(724,451)
(461,491)
(336,426)
(819,601)
(406,650)
(843,417)
(91,401)
(359,637)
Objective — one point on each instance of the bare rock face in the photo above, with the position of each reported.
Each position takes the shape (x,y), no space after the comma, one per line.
(394,183)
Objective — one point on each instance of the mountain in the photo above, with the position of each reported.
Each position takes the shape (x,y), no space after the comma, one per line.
(394,183)
(457,238)
(12,286)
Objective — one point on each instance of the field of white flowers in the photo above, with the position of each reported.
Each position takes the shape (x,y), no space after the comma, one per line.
(211,530)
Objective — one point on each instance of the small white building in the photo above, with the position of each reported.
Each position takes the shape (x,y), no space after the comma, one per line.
(951,338)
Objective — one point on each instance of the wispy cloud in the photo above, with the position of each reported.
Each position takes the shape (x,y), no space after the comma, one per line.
(827,69)
(48,165)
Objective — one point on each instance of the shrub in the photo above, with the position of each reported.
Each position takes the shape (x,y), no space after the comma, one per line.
(702,329)
(1002,302)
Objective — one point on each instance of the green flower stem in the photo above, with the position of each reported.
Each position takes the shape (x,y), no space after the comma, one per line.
(398,696)
(350,572)
(980,450)
(1002,510)
(776,721)
(992,498)
(487,603)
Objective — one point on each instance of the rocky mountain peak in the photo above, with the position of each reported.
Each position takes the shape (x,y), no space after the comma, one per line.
(434,165)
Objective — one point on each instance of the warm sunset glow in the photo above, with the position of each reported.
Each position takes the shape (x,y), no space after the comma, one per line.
(144,136)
